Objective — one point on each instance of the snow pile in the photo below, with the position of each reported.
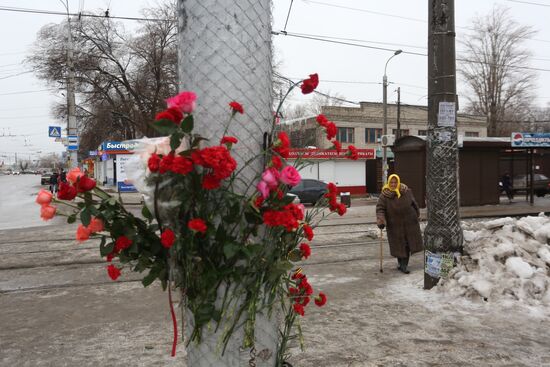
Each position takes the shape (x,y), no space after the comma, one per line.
(504,260)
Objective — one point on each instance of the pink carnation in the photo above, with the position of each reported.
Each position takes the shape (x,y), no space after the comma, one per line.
(263,189)
(271,177)
(290,176)
(185,101)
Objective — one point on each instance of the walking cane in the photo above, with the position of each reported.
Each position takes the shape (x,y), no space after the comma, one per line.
(381,250)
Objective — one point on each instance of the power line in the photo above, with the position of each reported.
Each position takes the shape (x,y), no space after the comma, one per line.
(50,12)
(14,75)
(405,52)
(26,92)
(288,15)
(342,43)
(528,2)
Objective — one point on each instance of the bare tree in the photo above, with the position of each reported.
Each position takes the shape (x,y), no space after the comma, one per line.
(122,78)
(314,106)
(493,68)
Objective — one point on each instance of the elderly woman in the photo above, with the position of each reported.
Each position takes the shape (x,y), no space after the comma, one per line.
(398,211)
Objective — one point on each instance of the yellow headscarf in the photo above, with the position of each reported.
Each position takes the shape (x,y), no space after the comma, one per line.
(387,185)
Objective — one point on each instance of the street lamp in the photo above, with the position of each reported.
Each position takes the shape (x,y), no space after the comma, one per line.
(385,128)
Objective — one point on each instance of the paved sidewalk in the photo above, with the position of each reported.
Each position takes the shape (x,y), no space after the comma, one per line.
(60,309)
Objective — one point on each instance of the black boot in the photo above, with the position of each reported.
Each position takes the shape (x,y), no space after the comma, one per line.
(399,263)
(404,265)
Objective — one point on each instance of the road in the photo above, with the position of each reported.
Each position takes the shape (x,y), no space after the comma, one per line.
(59,308)
(17,206)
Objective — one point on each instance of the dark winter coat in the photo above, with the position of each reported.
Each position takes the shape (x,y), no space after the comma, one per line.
(401,218)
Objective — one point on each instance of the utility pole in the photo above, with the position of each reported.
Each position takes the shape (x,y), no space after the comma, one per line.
(72,131)
(385,126)
(398,132)
(443,235)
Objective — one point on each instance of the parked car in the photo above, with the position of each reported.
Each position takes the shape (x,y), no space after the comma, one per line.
(541,184)
(45,179)
(309,190)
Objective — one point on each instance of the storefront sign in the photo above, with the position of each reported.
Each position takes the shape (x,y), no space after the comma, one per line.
(530,140)
(328,154)
(122,184)
(116,146)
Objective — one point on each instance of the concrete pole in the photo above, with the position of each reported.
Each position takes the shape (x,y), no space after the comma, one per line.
(224,55)
(443,234)
(71,105)
(398,131)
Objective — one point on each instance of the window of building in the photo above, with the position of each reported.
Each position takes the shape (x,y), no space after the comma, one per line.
(471,134)
(372,135)
(403,132)
(422,132)
(346,134)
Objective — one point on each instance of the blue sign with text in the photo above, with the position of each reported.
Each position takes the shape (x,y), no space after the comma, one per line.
(124,187)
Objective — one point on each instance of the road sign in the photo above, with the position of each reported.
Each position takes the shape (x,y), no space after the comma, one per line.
(72,147)
(72,138)
(54,131)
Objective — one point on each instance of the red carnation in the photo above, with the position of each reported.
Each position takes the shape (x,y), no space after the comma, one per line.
(236,107)
(181,165)
(305,250)
(298,308)
(276,162)
(122,243)
(259,201)
(309,85)
(209,182)
(321,299)
(331,130)
(308,232)
(166,163)
(282,145)
(153,162)
(227,140)
(113,272)
(341,209)
(337,145)
(197,225)
(167,238)
(322,120)
(352,153)
(66,191)
(216,158)
(173,114)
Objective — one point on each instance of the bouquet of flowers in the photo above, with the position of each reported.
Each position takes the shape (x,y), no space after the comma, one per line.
(231,252)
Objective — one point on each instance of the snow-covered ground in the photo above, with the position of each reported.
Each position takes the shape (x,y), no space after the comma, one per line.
(506,261)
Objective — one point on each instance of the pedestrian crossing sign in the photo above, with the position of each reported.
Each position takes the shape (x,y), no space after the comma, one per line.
(54,131)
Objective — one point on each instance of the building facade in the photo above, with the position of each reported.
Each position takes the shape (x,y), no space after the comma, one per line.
(362,126)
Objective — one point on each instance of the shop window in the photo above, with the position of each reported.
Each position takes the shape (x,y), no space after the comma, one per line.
(403,132)
(422,132)
(471,134)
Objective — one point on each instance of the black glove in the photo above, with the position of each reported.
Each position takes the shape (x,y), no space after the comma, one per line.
(381,226)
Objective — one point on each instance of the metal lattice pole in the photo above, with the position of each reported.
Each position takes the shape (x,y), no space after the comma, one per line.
(443,234)
(225,55)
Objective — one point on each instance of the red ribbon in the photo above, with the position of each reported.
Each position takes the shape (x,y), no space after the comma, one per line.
(174,322)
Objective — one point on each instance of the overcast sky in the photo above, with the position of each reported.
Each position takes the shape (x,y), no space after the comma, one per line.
(350,71)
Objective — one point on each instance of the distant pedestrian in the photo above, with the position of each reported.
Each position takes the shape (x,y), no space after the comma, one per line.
(507,186)
(54,181)
(399,213)
(63,176)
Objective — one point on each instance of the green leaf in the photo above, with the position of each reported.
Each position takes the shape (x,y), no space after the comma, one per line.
(230,249)
(71,218)
(204,314)
(252,217)
(196,140)
(105,250)
(165,127)
(175,140)
(287,200)
(147,213)
(187,124)
(150,278)
(85,217)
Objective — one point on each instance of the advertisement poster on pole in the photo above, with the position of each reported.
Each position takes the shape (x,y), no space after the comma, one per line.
(122,180)
(446,116)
